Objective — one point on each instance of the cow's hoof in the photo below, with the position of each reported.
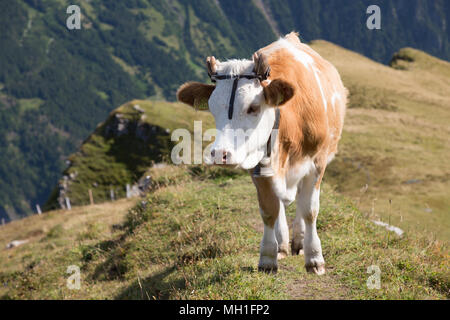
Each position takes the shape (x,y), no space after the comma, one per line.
(317,269)
(268,269)
(296,249)
(268,264)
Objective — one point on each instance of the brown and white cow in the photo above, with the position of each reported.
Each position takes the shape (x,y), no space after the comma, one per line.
(289,87)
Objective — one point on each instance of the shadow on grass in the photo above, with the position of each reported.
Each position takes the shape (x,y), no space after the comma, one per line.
(154,287)
(159,287)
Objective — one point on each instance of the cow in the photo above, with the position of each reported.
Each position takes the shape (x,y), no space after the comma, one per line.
(292,104)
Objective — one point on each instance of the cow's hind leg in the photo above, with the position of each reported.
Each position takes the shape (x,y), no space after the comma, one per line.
(269,207)
(298,231)
(282,233)
(308,208)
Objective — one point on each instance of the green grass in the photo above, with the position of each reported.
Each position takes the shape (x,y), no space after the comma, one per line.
(196,236)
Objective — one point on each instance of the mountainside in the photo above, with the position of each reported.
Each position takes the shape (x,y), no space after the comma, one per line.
(57,84)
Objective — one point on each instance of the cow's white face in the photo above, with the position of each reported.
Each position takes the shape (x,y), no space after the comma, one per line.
(241,140)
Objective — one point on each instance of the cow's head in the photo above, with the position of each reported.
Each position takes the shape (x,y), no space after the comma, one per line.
(243,132)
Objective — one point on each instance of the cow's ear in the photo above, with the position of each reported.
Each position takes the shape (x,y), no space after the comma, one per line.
(277,92)
(195,94)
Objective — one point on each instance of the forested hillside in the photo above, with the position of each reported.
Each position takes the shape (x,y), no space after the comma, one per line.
(57,84)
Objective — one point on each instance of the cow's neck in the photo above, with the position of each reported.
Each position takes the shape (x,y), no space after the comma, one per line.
(264,167)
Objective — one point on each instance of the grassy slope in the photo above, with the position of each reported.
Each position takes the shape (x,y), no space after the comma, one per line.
(184,243)
(396,138)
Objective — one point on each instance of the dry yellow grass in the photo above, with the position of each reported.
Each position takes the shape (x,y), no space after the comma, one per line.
(68,226)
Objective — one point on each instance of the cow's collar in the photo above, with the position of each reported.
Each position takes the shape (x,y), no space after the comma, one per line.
(264,167)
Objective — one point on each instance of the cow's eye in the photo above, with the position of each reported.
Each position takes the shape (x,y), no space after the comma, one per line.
(253,109)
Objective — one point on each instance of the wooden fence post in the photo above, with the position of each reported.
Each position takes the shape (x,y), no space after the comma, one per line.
(111,192)
(128,191)
(69,207)
(91,197)
(3,221)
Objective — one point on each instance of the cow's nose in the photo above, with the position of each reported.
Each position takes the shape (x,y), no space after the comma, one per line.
(221,156)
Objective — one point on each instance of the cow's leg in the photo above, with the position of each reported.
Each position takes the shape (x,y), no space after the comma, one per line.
(298,230)
(282,233)
(269,207)
(308,208)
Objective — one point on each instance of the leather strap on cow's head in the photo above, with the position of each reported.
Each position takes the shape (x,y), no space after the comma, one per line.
(214,77)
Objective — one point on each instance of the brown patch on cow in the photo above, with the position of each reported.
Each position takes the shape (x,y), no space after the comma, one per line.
(306,128)
(268,200)
(277,92)
(195,94)
(320,163)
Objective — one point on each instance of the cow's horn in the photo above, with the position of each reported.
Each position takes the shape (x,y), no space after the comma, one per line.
(262,68)
(211,65)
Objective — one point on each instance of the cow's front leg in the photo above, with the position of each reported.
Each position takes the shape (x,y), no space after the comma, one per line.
(308,208)
(268,253)
(269,207)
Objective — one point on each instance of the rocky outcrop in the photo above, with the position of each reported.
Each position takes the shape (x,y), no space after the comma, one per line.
(121,125)
(128,130)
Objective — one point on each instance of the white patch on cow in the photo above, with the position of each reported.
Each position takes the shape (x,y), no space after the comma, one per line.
(234,67)
(315,71)
(330,157)
(336,96)
(299,55)
(306,60)
(285,187)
